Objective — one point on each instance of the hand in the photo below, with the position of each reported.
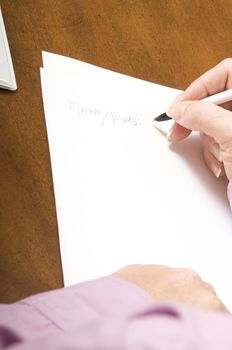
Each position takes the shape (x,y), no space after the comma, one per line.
(213,122)
(172,284)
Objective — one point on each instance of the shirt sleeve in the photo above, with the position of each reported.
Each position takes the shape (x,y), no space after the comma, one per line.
(109,314)
(229,192)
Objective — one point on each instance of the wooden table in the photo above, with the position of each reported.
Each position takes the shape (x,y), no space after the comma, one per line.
(169,42)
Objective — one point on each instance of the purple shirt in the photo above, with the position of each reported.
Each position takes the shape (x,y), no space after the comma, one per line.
(110,314)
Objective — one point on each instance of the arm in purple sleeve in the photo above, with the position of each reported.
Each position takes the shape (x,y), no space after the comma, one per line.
(110,314)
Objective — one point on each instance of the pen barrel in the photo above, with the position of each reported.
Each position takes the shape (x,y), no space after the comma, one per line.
(220,98)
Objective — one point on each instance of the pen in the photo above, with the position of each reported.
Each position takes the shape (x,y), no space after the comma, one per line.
(217,99)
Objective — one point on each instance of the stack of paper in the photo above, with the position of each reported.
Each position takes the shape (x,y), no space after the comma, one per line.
(123,194)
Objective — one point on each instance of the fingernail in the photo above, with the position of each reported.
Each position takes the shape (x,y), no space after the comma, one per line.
(218,173)
(169,134)
(216,170)
(215,150)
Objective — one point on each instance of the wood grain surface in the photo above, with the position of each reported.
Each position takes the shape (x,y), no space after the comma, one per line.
(169,42)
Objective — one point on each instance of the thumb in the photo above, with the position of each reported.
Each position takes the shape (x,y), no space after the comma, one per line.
(204,117)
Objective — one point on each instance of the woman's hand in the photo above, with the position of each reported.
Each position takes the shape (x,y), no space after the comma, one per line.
(213,122)
(172,284)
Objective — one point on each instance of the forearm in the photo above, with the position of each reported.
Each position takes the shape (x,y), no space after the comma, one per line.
(159,327)
(110,314)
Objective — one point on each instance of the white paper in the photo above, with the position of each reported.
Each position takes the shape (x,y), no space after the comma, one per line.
(123,194)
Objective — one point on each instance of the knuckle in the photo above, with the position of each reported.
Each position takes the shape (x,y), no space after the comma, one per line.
(205,143)
(197,114)
(193,110)
(227,62)
(226,146)
(210,288)
(203,138)
(189,109)
(188,273)
(207,140)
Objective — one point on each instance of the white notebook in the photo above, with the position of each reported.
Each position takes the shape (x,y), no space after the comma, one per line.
(7,76)
(123,194)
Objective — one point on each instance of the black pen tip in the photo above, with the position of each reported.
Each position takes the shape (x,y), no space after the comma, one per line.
(162,117)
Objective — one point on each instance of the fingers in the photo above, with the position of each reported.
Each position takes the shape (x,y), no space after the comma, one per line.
(204,117)
(213,164)
(214,149)
(217,79)
(177,133)
(212,155)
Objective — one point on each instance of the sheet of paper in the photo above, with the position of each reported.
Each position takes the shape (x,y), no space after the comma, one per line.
(123,194)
